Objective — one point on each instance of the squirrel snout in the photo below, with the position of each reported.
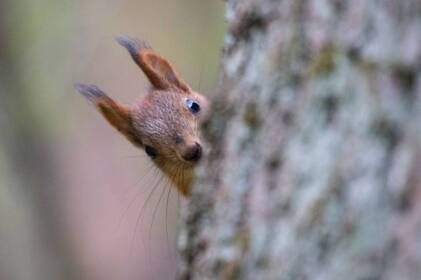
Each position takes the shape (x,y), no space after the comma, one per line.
(193,153)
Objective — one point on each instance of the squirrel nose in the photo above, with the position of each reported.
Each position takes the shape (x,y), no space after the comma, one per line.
(193,153)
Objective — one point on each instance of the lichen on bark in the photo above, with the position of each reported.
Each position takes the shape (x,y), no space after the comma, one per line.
(315,165)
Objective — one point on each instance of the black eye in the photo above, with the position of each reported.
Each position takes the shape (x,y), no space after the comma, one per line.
(193,106)
(151,152)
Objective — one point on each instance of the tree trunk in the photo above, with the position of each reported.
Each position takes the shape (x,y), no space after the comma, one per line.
(315,167)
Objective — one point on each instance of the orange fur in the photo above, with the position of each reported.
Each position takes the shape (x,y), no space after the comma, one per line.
(165,123)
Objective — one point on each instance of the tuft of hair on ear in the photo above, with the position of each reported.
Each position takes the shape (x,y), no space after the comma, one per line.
(118,115)
(133,45)
(159,71)
(91,92)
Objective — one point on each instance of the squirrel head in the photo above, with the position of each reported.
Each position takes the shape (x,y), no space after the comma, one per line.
(165,123)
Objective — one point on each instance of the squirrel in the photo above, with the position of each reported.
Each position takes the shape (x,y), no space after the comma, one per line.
(165,123)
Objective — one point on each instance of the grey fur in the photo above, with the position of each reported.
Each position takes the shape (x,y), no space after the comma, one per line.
(91,92)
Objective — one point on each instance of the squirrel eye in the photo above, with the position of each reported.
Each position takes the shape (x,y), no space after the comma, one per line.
(151,152)
(193,106)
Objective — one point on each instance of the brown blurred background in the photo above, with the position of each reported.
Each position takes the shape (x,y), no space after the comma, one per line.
(71,188)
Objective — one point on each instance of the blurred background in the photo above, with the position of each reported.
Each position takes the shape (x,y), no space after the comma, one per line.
(72,190)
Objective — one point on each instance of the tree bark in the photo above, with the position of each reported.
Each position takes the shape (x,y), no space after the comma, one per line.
(315,166)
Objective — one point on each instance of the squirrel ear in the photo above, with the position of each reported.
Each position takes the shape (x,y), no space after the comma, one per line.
(159,71)
(118,115)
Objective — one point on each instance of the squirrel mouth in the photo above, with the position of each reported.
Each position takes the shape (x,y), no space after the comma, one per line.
(189,163)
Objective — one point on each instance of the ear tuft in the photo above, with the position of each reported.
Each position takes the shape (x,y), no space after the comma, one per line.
(90,92)
(133,46)
(117,114)
(159,71)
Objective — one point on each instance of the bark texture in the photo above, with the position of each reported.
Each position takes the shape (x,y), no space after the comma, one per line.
(315,168)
